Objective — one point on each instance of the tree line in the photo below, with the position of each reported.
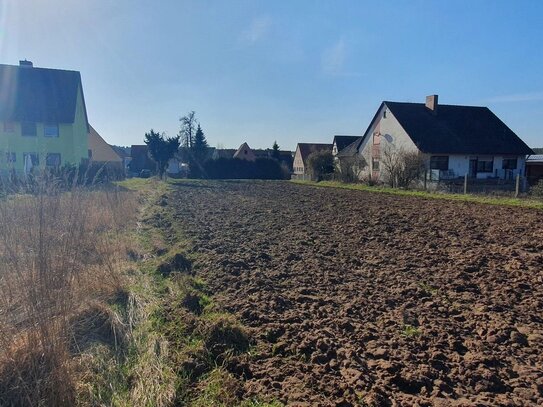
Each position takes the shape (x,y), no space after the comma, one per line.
(190,146)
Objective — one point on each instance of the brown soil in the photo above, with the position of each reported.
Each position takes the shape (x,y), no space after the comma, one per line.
(356,297)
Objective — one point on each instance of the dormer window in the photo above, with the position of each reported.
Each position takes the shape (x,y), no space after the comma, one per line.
(50,130)
(9,127)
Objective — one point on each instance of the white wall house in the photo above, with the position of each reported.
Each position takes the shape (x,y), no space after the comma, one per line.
(455,140)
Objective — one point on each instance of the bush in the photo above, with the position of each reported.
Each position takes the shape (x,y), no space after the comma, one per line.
(402,168)
(60,252)
(537,189)
(349,169)
(320,164)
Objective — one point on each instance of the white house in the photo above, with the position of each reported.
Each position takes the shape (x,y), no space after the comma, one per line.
(457,140)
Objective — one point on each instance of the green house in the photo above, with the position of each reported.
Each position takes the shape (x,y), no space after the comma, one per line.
(43,118)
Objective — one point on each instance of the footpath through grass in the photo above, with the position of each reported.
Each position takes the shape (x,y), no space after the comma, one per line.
(488,200)
(183,343)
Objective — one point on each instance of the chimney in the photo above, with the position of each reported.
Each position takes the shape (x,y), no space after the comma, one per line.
(431,103)
(26,64)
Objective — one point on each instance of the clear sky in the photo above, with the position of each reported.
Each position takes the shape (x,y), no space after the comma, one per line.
(285,70)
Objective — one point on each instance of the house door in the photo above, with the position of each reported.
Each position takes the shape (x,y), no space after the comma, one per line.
(473,168)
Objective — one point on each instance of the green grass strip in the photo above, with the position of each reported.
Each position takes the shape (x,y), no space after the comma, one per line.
(488,200)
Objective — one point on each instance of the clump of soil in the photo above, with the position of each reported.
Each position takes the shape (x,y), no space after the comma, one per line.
(224,336)
(177,263)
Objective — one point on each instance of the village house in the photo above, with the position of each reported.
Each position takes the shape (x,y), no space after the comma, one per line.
(340,142)
(43,118)
(102,154)
(534,168)
(303,151)
(244,152)
(455,140)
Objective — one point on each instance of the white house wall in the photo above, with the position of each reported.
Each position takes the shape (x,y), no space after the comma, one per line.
(393,136)
(298,162)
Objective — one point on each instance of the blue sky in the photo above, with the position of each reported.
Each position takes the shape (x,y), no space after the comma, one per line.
(291,71)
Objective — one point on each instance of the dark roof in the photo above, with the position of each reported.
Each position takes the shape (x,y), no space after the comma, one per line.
(308,148)
(457,129)
(38,94)
(343,141)
(537,158)
(351,149)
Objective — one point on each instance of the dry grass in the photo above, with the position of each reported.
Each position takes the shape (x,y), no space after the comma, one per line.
(60,262)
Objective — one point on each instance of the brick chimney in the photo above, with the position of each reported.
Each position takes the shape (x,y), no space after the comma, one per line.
(26,64)
(431,103)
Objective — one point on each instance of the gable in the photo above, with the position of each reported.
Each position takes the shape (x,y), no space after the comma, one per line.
(306,149)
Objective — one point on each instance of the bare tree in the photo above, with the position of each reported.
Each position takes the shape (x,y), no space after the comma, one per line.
(350,168)
(401,168)
(188,129)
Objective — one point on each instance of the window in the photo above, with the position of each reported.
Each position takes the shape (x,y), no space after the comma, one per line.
(9,127)
(509,163)
(485,165)
(52,160)
(10,157)
(33,156)
(439,162)
(28,129)
(384,114)
(375,164)
(50,130)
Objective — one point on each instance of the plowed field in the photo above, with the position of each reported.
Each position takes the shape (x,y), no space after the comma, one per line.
(354,297)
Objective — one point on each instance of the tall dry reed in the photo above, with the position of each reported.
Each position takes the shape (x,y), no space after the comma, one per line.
(60,251)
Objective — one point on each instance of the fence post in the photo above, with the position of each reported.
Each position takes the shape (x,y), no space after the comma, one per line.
(465,184)
(517,186)
(425,176)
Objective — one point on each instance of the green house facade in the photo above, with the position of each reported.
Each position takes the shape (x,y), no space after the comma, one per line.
(43,118)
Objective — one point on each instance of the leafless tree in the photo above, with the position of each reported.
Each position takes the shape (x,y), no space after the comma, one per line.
(349,169)
(401,168)
(188,129)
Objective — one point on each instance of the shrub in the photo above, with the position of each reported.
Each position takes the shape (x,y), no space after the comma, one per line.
(320,164)
(349,169)
(60,252)
(402,168)
(537,189)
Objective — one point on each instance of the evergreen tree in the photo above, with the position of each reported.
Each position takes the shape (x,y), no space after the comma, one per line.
(161,149)
(275,152)
(199,152)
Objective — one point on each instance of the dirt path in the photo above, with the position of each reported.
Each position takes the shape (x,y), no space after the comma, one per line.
(358,297)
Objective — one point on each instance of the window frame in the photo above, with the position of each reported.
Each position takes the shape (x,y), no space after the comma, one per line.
(48,156)
(483,169)
(11,157)
(509,159)
(24,127)
(437,161)
(9,126)
(375,164)
(51,125)
(32,155)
